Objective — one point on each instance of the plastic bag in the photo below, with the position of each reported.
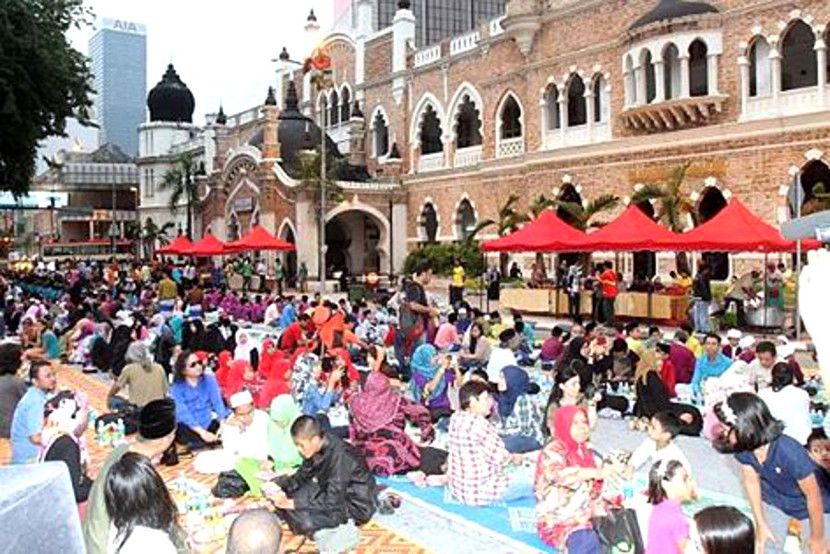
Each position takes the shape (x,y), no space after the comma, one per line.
(619,532)
(230,484)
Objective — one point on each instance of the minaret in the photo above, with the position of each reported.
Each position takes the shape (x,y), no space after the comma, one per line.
(403,36)
(270,135)
(357,137)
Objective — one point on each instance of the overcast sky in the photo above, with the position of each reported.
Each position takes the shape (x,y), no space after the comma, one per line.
(221,50)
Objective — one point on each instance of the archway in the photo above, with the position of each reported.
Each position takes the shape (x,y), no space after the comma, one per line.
(290,262)
(568,193)
(711,202)
(429,221)
(645,263)
(465,219)
(354,243)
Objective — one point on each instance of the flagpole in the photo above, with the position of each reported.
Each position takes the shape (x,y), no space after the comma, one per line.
(798,194)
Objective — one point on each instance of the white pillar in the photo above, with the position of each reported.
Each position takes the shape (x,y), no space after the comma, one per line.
(589,112)
(640,85)
(684,76)
(712,74)
(562,102)
(743,65)
(659,80)
(821,59)
(91,229)
(775,62)
(543,117)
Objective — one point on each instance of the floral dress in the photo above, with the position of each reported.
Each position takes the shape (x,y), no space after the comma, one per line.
(561,510)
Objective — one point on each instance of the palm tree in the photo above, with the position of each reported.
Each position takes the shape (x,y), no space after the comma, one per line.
(673,206)
(582,217)
(152,234)
(180,180)
(508,221)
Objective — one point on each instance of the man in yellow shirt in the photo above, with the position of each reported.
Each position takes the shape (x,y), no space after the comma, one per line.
(692,343)
(457,285)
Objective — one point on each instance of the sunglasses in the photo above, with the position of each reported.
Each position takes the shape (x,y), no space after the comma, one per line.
(194,364)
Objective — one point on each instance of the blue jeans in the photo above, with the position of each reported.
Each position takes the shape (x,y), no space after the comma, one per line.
(583,541)
(700,316)
(403,360)
(520,486)
(519,444)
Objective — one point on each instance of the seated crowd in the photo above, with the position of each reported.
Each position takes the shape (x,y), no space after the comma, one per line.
(320,398)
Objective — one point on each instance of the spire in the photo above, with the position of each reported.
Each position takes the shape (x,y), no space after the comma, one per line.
(404,4)
(292,100)
(311,17)
(284,57)
(270,100)
(221,118)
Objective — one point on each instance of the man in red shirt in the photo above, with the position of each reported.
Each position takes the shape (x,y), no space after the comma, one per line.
(608,280)
(294,336)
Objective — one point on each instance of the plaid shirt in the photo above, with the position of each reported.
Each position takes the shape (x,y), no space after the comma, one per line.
(477,460)
(526,420)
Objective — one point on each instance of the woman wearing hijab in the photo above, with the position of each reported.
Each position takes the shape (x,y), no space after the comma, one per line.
(193,337)
(378,423)
(520,420)
(568,485)
(163,342)
(121,339)
(246,349)
(241,376)
(100,355)
(281,447)
(277,382)
(269,356)
(653,396)
(223,368)
(431,380)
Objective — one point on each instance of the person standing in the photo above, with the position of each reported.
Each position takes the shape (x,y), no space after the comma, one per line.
(12,387)
(302,276)
(702,296)
(610,289)
(279,275)
(457,285)
(574,288)
(415,312)
(27,422)
(493,278)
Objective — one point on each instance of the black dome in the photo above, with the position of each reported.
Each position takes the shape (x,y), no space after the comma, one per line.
(170,99)
(672,9)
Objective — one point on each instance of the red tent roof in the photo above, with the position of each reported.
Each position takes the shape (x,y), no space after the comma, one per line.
(546,233)
(208,246)
(258,238)
(631,231)
(736,229)
(179,245)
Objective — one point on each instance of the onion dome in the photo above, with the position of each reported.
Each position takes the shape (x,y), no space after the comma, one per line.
(673,9)
(271,99)
(170,99)
(221,118)
(404,4)
(284,57)
(311,17)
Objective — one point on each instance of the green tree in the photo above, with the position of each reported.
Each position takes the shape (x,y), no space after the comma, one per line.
(673,206)
(152,234)
(583,216)
(43,81)
(181,182)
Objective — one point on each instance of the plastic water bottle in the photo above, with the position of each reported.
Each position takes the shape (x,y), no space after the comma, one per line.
(120,431)
(99,433)
(816,418)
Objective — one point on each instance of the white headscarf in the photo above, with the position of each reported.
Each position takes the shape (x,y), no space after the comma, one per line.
(243,350)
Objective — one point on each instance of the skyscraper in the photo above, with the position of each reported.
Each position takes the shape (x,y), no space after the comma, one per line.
(437,20)
(119,65)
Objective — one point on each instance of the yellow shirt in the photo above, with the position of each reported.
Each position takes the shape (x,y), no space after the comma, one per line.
(458,276)
(694,345)
(683,282)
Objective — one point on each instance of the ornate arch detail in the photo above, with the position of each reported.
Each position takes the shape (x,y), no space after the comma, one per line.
(798,15)
(240,155)
(427,99)
(286,223)
(243,182)
(420,227)
(456,210)
(475,96)
(379,109)
(356,205)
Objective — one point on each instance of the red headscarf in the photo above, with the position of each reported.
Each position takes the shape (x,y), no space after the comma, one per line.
(224,367)
(276,384)
(267,359)
(575,453)
(236,380)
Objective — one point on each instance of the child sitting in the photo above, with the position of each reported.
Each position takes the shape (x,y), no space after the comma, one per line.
(659,446)
(669,485)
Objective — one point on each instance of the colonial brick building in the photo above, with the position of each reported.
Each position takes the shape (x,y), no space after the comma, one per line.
(569,99)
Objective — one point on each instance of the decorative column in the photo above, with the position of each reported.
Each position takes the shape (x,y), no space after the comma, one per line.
(775,63)
(659,80)
(589,112)
(743,66)
(640,84)
(562,102)
(821,58)
(712,74)
(543,113)
(684,76)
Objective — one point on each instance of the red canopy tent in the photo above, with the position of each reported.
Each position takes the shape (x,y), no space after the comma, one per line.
(208,246)
(258,238)
(546,233)
(632,230)
(736,229)
(180,245)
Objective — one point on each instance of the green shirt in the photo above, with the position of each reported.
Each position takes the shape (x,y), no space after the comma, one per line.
(97,520)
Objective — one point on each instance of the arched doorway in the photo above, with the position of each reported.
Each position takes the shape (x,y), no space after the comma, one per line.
(290,258)
(711,202)
(569,194)
(354,243)
(645,263)
(465,219)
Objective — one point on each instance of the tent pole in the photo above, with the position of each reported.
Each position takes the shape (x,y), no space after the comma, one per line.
(798,193)
(766,290)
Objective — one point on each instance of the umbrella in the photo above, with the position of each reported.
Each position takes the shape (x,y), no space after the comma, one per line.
(546,233)
(179,245)
(208,246)
(258,238)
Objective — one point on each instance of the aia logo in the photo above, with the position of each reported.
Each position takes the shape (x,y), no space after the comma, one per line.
(127,26)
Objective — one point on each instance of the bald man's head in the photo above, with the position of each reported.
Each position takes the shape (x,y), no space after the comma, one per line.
(255,532)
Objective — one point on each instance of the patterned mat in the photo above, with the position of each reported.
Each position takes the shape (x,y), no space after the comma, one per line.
(374,538)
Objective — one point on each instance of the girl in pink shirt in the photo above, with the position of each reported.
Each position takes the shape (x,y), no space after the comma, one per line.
(669,485)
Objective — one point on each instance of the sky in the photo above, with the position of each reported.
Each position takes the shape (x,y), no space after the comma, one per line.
(222,50)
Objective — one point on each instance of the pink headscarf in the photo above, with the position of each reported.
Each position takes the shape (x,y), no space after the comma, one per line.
(376,406)
(575,453)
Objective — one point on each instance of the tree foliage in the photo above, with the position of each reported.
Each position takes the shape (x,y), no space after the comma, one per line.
(180,181)
(43,81)
(583,216)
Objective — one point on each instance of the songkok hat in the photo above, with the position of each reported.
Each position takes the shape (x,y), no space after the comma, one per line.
(241,399)
(746,342)
(157,419)
(734,334)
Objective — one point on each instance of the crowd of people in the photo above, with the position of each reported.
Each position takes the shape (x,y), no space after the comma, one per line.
(318,399)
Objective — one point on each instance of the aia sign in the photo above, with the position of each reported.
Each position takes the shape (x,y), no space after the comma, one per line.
(127,26)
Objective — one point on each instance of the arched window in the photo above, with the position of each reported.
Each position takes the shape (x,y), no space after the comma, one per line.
(760,69)
(651,82)
(429,220)
(671,72)
(568,193)
(799,67)
(233,227)
(630,82)
(600,100)
(711,202)
(334,108)
(645,263)
(468,124)
(380,133)
(698,74)
(323,111)
(576,102)
(552,107)
(345,105)
(511,119)
(465,219)
(431,132)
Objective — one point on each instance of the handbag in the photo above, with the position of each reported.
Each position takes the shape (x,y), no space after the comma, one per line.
(230,484)
(619,532)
